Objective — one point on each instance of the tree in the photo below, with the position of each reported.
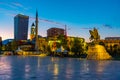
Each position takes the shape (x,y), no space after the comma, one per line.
(102,43)
(115,51)
(63,41)
(77,47)
(49,50)
(14,45)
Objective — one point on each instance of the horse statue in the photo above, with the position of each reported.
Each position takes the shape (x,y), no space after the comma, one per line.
(94,35)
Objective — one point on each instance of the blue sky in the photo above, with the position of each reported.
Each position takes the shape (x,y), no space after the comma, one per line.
(79,15)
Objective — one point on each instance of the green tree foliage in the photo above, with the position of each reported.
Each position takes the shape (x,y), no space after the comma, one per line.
(77,47)
(114,50)
(14,45)
(11,46)
(58,45)
(63,41)
(102,43)
(48,50)
(0,48)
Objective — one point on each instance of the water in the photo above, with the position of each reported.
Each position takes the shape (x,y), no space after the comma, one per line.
(53,68)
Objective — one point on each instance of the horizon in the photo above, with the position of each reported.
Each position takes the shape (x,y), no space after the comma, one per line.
(80,16)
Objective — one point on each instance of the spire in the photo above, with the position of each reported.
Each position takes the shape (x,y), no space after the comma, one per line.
(65,32)
(36,13)
(33,24)
(36,26)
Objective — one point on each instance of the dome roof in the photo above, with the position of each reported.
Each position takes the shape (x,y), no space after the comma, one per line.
(33,25)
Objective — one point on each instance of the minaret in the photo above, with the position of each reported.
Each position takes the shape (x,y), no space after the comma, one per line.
(36,36)
(65,32)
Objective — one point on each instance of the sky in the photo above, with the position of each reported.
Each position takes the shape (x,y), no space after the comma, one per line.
(80,16)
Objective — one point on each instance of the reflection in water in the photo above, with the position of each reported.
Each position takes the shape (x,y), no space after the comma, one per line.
(101,65)
(38,62)
(27,70)
(54,59)
(5,68)
(98,66)
(56,70)
(53,68)
(69,71)
(85,67)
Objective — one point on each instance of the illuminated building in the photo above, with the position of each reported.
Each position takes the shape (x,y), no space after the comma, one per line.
(52,32)
(112,38)
(21,27)
(110,41)
(32,34)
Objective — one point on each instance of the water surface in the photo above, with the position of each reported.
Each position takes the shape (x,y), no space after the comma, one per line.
(54,68)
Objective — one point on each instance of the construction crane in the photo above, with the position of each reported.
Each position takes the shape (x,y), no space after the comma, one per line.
(53,22)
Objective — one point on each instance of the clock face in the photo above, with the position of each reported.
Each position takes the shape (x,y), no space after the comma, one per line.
(33,31)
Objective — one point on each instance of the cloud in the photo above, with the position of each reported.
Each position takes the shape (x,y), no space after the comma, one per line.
(107,26)
(17,4)
(14,5)
(12,8)
(8,5)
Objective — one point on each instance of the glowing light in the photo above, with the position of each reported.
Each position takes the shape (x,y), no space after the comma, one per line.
(56,70)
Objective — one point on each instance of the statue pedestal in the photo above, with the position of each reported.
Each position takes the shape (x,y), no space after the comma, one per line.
(98,52)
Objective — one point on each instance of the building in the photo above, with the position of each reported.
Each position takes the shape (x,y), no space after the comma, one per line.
(21,27)
(112,38)
(33,33)
(52,32)
(111,41)
(36,32)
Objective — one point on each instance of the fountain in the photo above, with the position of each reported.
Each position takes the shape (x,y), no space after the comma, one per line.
(98,52)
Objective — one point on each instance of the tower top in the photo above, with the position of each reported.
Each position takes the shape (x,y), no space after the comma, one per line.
(21,15)
(33,24)
(36,13)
